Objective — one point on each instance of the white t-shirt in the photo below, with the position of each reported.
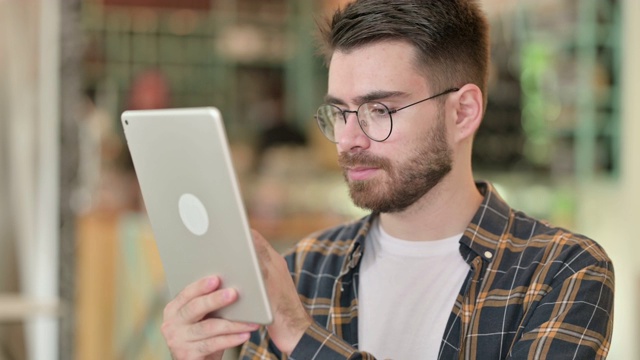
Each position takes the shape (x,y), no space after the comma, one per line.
(406,293)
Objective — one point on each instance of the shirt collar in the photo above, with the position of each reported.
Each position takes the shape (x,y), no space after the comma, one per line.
(354,254)
(488,225)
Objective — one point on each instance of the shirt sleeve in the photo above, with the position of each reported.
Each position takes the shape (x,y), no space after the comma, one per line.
(316,344)
(319,343)
(574,320)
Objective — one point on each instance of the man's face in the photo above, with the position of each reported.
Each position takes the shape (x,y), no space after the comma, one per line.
(389,176)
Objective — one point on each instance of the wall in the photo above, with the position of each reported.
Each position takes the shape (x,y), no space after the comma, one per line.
(609,209)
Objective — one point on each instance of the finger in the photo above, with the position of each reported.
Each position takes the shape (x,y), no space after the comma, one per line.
(259,242)
(201,287)
(220,343)
(196,309)
(203,349)
(263,252)
(218,327)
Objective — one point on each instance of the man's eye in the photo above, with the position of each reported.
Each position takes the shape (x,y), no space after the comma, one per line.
(377,110)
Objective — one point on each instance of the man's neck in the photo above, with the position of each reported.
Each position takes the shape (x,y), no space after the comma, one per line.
(444,211)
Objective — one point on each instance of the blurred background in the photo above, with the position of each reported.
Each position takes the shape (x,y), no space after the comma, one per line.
(80,276)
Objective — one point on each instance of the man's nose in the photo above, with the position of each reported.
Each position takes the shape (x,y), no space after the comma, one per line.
(352,136)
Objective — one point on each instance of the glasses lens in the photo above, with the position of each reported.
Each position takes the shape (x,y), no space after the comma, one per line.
(375,120)
(327,117)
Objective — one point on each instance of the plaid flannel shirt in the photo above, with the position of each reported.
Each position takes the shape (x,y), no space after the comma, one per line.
(533,292)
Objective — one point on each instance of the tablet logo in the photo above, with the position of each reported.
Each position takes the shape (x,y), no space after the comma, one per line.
(193,214)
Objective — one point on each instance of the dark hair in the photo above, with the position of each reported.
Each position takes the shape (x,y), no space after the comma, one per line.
(451,37)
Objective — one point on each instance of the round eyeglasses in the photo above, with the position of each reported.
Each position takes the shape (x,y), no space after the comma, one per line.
(374,118)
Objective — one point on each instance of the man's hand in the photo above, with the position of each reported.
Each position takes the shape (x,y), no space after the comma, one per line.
(190,334)
(290,320)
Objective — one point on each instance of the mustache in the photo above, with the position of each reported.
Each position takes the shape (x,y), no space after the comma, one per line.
(350,160)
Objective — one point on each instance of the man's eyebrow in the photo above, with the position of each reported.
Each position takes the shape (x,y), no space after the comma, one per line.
(372,96)
(328,99)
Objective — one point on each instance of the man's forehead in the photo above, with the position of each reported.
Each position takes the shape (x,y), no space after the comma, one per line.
(370,71)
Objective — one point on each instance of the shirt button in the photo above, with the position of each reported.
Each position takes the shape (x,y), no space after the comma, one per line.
(488,254)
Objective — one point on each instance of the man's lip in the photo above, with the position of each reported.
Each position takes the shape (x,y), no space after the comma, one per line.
(361,172)
(361,168)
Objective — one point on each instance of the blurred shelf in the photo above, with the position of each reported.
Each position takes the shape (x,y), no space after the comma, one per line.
(290,229)
(15,307)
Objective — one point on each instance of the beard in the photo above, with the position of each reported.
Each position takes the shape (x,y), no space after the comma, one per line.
(405,182)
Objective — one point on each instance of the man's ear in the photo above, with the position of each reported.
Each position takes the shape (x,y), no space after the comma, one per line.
(469,111)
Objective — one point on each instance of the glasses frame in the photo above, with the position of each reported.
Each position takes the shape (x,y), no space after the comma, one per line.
(390,112)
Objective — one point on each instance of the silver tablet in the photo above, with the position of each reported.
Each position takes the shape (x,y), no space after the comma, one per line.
(182,161)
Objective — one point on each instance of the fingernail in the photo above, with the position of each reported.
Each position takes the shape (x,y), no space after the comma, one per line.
(213,282)
(228,294)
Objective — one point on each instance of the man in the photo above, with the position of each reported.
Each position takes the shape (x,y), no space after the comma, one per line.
(443,267)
